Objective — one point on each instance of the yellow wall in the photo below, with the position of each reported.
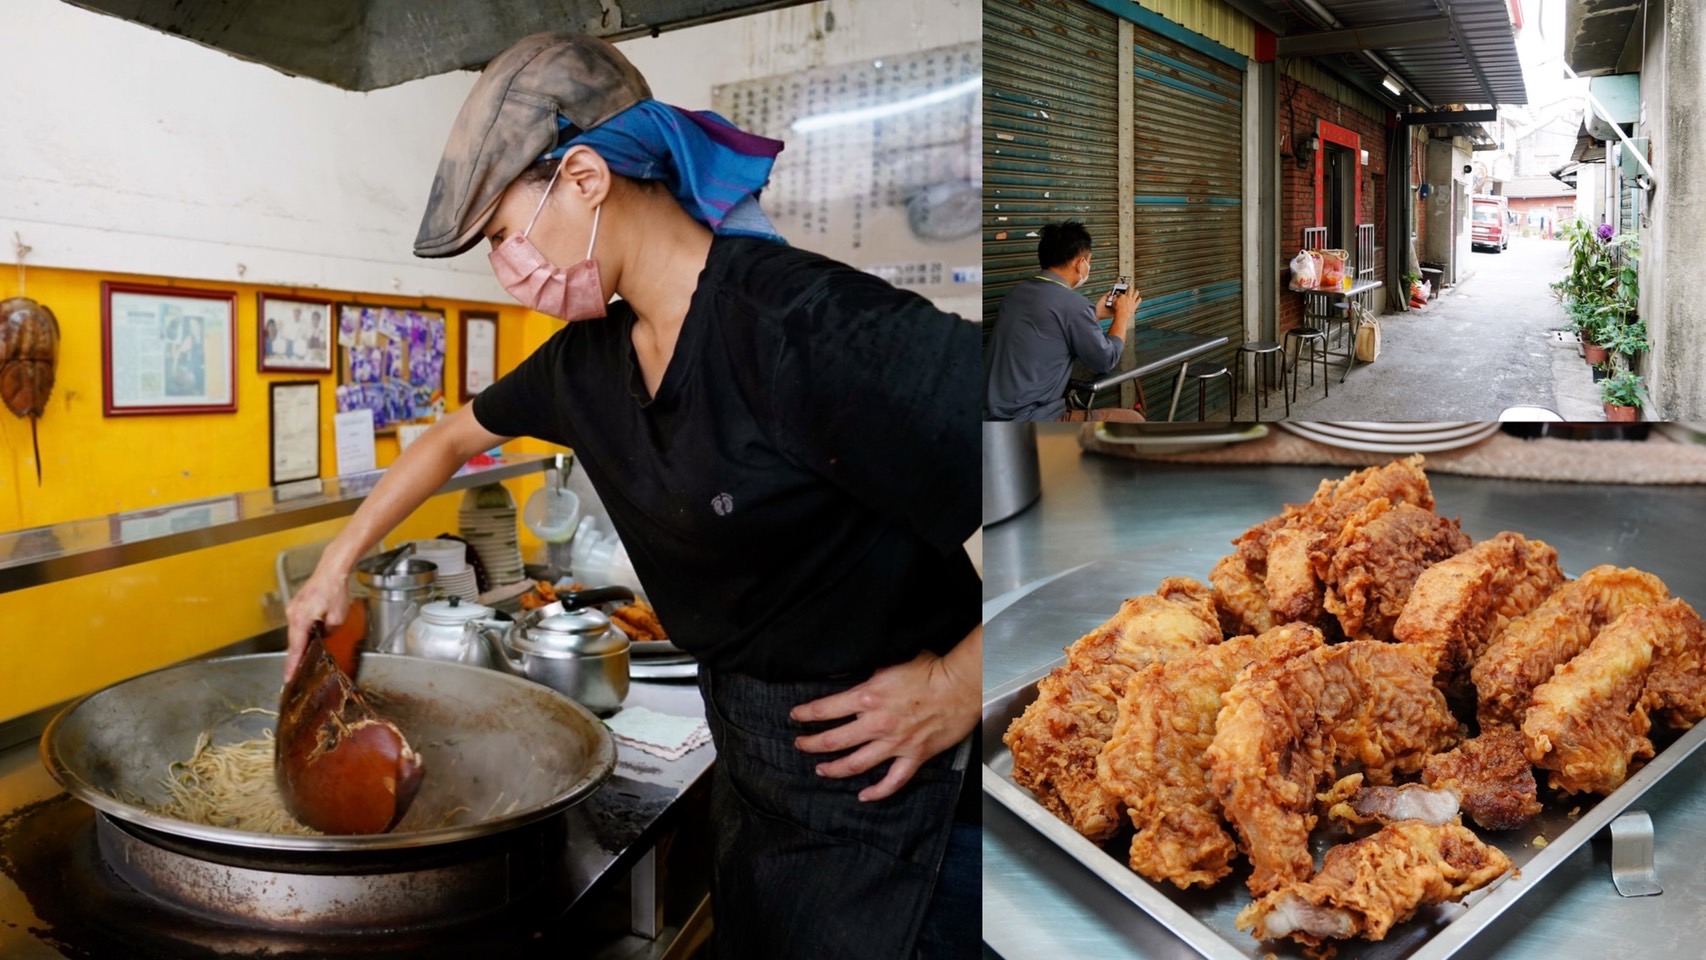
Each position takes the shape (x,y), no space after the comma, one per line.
(67,638)
(1213,19)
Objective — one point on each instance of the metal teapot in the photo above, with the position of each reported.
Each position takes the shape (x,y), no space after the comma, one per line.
(438,633)
(574,650)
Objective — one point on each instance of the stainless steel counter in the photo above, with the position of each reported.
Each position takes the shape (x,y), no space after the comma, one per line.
(1105,529)
(611,836)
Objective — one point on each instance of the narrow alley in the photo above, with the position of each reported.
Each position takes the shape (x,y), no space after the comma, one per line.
(1486,345)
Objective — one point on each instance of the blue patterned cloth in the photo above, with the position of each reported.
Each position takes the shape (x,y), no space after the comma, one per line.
(714,169)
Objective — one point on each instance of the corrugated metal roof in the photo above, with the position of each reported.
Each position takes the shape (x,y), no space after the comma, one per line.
(1478,65)
(1528,187)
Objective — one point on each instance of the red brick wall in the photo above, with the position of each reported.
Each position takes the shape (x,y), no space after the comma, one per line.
(1546,205)
(1301,106)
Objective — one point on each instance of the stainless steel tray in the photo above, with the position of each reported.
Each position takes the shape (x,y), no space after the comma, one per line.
(1204,918)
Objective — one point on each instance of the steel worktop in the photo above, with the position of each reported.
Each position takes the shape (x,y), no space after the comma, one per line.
(1105,529)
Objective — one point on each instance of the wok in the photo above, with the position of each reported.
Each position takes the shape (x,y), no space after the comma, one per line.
(499,751)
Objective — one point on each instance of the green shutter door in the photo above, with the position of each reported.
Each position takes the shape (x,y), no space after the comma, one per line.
(1050,143)
(1189,164)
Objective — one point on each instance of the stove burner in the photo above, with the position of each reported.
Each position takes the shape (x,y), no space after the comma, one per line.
(327,894)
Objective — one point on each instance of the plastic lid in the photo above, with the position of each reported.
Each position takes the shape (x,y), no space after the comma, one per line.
(576,633)
(454,611)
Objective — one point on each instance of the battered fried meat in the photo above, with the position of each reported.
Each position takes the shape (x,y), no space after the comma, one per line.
(1240,597)
(1284,728)
(1056,741)
(1525,654)
(1492,776)
(1390,804)
(1590,720)
(1459,605)
(1376,558)
(1154,760)
(1276,553)
(1367,886)
(1676,686)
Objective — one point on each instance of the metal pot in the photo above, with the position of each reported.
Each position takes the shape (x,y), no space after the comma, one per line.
(396,589)
(577,653)
(498,753)
(438,633)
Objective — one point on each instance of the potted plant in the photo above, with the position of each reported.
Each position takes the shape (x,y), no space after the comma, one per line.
(1623,394)
(1628,339)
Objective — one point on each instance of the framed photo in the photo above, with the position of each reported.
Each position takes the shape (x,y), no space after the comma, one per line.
(167,350)
(477,356)
(390,362)
(294,335)
(295,431)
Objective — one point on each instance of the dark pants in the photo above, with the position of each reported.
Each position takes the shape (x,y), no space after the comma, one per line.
(802,868)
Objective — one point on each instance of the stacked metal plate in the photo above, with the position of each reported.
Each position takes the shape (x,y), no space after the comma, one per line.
(1394,438)
(488,522)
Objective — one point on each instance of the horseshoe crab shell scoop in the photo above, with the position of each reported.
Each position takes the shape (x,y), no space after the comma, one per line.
(29,352)
(341,768)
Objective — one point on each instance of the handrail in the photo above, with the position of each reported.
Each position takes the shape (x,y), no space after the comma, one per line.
(42,555)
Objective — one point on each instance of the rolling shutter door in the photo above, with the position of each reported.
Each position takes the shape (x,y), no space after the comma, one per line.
(1050,147)
(1189,164)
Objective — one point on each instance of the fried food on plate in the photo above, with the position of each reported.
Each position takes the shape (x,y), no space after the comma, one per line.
(1376,558)
(1676,686)
(1056,741)
(1491,775)
(1284,728)
(1278,552)
(1590,720)
(1154,764)
(639,621)
(1367,886)
(1525,654)
(1240,596)
(1459,605)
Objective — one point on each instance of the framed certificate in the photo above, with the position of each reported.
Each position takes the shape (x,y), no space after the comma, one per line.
(167,350)
(295,431)
(479,352)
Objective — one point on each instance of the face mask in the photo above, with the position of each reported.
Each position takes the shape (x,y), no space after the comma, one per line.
(1085,278)
(567,293)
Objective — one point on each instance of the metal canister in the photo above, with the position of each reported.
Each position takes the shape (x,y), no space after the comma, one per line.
(393,598)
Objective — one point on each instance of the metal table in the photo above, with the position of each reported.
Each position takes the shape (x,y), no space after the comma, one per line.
(1153,349)
(1105,529)
(1324,306)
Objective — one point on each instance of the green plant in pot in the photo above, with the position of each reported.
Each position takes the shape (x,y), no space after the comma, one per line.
(1623,393)
(1628,339)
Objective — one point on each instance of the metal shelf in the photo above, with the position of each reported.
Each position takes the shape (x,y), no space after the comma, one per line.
(42,555)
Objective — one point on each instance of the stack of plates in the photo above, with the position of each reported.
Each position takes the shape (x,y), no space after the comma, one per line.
(1395,438)
(487,521)
(463,584)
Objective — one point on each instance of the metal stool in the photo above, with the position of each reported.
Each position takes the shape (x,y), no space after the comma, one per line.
(1318,352)
(1258,349)
(1202,373)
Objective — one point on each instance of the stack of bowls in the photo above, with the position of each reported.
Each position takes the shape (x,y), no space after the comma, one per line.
(455,577)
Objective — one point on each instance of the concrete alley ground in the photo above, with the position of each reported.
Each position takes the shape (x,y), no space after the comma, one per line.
(1486,345)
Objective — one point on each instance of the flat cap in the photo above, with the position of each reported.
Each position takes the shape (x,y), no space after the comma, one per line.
(510,119)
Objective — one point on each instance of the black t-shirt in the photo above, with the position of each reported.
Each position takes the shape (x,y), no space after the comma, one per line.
(796,497)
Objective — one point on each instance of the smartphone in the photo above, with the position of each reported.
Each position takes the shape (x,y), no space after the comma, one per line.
(1120,286)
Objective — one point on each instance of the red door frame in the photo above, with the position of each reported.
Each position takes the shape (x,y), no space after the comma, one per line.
(1333,133)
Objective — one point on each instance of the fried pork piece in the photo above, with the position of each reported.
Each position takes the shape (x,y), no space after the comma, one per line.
(1590,720)
(1525,654)
(1390,804)
(1370,566)
(1276,552)
(1284,727)
(1492,776)
(1154,760)
(1459,605)
(1367,886)
(1676,686)
(1056,741)
(1240,597)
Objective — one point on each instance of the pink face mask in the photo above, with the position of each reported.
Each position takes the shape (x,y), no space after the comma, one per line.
(567,293)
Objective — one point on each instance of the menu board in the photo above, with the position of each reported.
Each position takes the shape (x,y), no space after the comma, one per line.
(882,168)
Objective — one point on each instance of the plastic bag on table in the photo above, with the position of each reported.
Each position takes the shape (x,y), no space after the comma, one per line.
(1305,270)
(1333,275)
